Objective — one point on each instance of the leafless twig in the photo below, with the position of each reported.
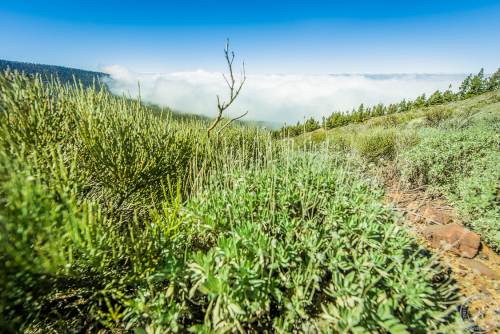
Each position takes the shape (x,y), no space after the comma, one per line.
(234,91)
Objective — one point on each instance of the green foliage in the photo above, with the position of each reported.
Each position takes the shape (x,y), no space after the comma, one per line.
(494,81)
(436,98)
(477,197)
(450,150)
(376,145)
(478,84)
(88,185)
(434,116)
(61,253)
(311,124)
(114,218)
(128,151)
(301,245)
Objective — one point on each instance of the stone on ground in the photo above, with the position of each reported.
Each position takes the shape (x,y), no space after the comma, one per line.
(454,237)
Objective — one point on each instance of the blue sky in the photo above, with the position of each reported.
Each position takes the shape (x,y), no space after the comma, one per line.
(308,37)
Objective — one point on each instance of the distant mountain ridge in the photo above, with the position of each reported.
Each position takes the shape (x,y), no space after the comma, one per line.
(388,76)
(65,74)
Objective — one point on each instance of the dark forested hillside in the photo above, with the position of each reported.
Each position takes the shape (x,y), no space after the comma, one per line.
(65,74)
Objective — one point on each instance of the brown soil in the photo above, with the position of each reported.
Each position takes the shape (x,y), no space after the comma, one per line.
(478,279)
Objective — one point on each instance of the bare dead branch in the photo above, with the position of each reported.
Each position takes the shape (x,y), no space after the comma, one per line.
(231,121)
(234,90)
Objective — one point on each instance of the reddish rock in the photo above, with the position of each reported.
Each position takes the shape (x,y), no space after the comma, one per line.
(454,237)
(480,268)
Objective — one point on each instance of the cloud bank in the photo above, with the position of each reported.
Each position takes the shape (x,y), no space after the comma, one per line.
(276,98)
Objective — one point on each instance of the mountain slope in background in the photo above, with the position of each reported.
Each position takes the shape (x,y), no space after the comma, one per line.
(65,74)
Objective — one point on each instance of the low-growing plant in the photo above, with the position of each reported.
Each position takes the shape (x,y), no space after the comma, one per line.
(434,116)
(301,245)
(387,121)
(477,199)
(376,144)
(33,124)
(60,253)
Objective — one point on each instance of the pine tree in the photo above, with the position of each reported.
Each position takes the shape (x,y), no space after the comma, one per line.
(494,81)
(311,124)
(448,95)
(420,101)
(464,88)
(436,98)
(477,84)
(402,106)
(391,109)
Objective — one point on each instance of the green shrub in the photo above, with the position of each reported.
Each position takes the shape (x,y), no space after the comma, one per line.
(86,201)
(477,197)
(442,157)
(406,139)
(31,114)
(376,144)
(58,253)
(302,245)
(388,121)
(125,150)
(318,136)
(434,116)
(128,151)
(339,141)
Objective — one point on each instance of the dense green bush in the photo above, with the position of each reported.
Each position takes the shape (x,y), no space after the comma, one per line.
(124,149)
(436,115)
(129,151)
(88,185)
(377,144)
(61,254)
(477,198)
(301,245)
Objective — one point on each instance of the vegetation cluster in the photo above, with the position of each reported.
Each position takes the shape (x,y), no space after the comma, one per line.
(114,218)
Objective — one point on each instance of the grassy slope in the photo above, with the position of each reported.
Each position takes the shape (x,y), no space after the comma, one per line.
(452,150)
(114,218)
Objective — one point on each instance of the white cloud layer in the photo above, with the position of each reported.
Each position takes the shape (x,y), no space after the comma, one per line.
(276,98)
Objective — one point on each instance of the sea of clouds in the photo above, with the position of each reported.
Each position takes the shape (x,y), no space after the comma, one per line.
(276,98)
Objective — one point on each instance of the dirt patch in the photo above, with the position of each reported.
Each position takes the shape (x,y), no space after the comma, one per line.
(478,279)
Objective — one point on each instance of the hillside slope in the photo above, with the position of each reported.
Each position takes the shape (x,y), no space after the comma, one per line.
(65,74)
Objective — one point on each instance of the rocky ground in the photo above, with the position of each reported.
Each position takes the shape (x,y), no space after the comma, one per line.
(474,266)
